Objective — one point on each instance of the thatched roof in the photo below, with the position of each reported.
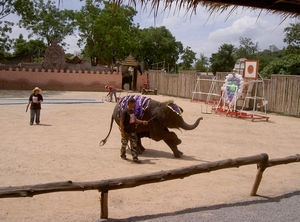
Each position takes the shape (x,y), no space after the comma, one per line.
(284,8)
(74,60)
(129,61)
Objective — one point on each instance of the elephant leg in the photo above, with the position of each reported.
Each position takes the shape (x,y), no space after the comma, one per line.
(166,135)
(172,136)
(174,148)
(140,147)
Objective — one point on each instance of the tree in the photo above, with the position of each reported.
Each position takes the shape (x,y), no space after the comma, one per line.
(48,22)
(292,38)
(188,58)
(223,60)
(108,34)
(8,7)
(247,49)
(157,45)
(86,19)
(266,56)
(280,64)
(22,46)
(202,63)
(5,26)
(287,65)
(120,33)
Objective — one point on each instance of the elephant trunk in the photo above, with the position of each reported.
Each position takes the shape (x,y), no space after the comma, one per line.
(186,126)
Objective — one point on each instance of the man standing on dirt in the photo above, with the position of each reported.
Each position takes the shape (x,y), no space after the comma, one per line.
(128,123)
(35,101)
(111,92)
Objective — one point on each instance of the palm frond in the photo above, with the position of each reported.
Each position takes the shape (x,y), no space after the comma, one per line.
(282,8)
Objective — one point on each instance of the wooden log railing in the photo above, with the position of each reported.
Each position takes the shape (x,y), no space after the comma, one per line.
(103,186)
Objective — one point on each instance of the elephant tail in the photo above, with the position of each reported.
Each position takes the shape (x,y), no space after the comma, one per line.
(102,142)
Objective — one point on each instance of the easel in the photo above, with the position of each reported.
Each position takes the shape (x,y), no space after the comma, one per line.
(259,103)
(213,91)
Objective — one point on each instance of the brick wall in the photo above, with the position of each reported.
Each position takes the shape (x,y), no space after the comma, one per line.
(26,79)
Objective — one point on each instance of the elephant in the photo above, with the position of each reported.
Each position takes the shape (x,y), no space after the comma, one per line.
(160,116)
(130,77)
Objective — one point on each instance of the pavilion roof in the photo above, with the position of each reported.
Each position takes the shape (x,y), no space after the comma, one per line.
(129,61)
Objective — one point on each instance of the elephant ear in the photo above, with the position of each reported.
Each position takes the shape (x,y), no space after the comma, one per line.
(162,111)
(159,113)
(172,106)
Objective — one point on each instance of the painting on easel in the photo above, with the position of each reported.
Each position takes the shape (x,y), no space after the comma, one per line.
(251,69)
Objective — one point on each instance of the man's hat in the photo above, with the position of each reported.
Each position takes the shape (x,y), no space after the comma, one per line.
(37,89)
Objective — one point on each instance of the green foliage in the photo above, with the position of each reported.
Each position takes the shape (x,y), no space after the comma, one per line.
(266,56)
(68,55)
(188,58)
(202,64)
(223,60)
(287,65)
(48,22)
(247,49)
(157,45)
(22,46)
(8,7)
(108,34)
(292,38)
(86,20)
(5,41)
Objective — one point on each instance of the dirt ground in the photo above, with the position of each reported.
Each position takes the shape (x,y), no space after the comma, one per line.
(65,146)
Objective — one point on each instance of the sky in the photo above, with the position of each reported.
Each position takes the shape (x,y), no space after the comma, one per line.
(200,31)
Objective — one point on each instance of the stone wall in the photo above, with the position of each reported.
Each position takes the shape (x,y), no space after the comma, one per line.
(73,80)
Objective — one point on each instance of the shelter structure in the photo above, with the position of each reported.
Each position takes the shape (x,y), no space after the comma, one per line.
(284,8)
(74,60)
(19,59)
(129,72)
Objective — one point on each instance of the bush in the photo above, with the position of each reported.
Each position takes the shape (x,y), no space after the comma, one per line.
(287,65)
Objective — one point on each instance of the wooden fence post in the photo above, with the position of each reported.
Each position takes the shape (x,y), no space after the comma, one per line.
(104,200)
(260,169)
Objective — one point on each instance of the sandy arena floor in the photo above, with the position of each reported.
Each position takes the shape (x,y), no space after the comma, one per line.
(65,146)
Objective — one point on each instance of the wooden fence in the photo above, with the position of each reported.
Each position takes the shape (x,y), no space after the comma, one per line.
(103,186)
(284,94)
(281,91)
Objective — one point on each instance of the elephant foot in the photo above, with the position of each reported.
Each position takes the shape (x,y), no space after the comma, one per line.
(178,154)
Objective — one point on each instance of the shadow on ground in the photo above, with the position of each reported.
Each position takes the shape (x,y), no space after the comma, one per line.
(168,155)
(261,200)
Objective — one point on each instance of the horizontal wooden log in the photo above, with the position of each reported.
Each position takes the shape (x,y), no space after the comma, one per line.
(286,160)
(128,182)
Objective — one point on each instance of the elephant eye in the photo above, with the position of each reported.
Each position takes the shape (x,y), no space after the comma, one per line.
(176,109)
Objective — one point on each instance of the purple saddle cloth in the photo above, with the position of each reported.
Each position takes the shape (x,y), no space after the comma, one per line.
(141,104)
